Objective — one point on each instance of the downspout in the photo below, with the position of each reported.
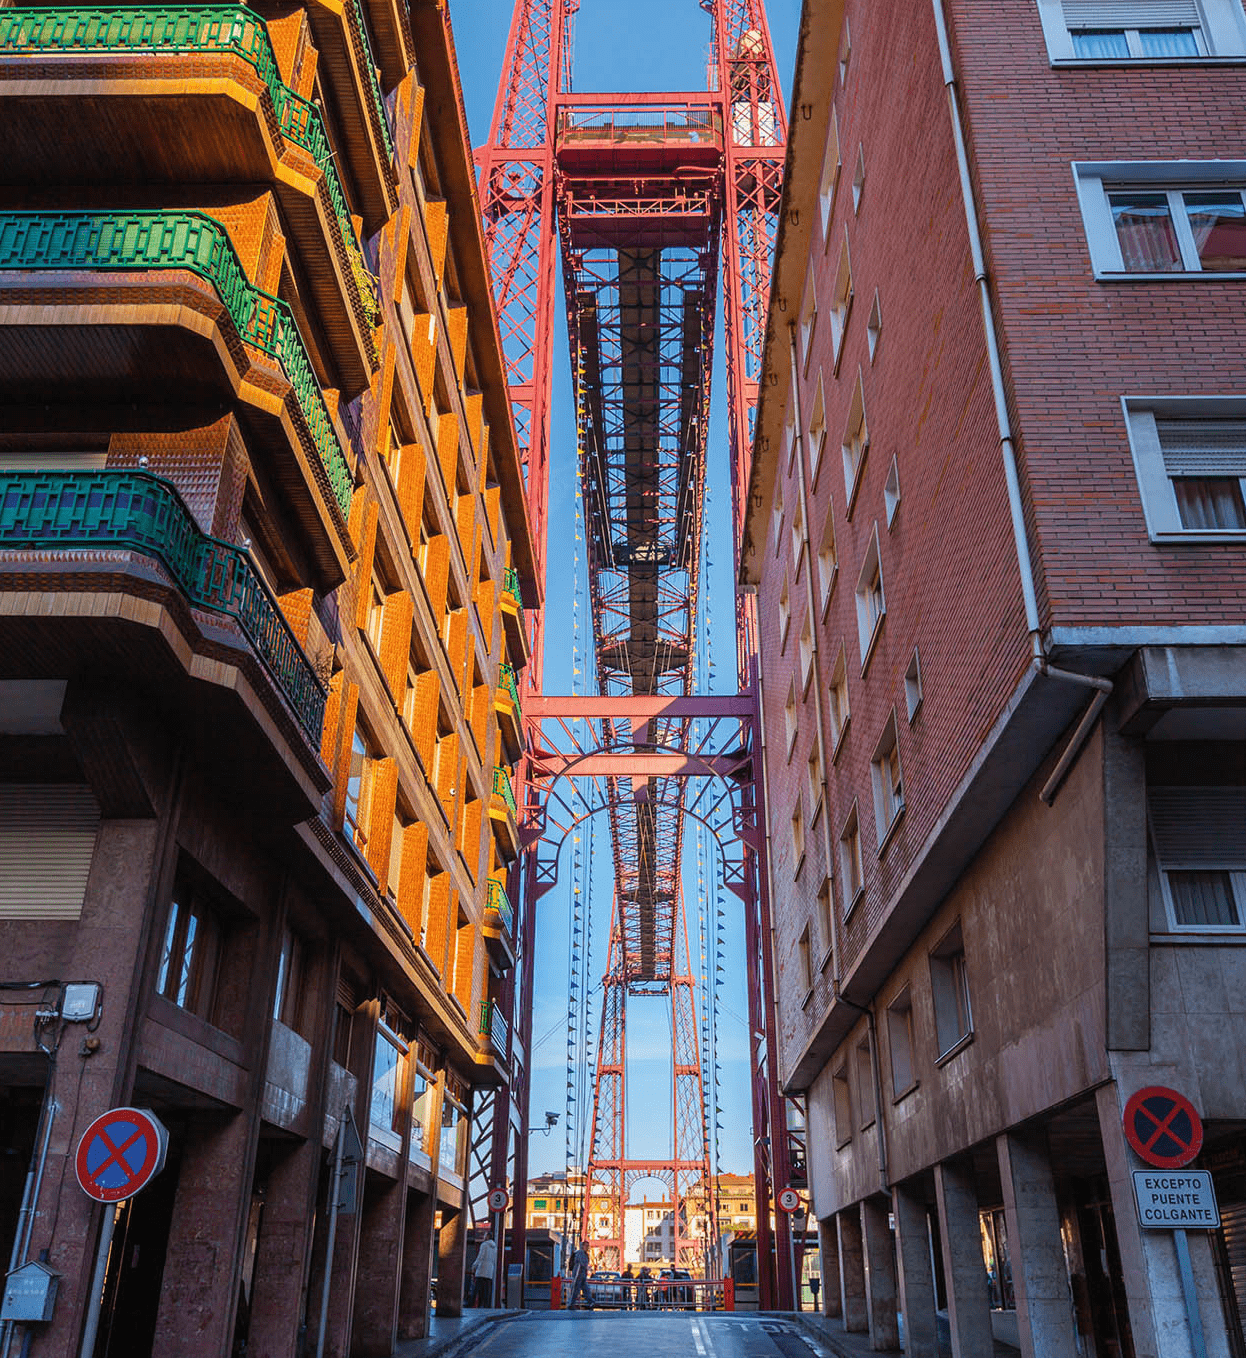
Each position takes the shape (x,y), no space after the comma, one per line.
(1025,560)
(803,482)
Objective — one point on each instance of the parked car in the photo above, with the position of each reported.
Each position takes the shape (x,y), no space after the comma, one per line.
(682,1297)
(605,1289)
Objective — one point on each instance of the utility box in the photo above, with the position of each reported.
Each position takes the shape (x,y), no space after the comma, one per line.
(514,1287)
(30,1293)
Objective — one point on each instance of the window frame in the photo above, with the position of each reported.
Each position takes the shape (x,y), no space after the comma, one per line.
(1155,488)
(828,182)
(851,862)
(887,778)
(1232,865)
(1221,35)
(1095,180)
(870,621)
(948,956)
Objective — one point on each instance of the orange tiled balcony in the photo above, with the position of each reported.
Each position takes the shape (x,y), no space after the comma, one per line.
(499,926)
(510,718)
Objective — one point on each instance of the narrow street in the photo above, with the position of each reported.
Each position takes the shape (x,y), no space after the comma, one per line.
(565,1334)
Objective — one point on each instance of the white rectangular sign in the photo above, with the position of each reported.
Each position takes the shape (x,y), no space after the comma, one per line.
(1176,1199)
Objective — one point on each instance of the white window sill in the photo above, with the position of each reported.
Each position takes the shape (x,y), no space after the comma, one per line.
(1196,536)
(1228,936)
(955,1049)
(1229,59)
(1168,276)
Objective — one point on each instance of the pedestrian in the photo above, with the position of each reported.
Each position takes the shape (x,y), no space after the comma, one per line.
(642,1289)
(629,1295)
(579,1277)
(483,1270)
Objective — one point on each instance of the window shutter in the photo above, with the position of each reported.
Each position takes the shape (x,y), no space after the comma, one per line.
(47,837)
(1131,14)
(1199,827)
(1203,447)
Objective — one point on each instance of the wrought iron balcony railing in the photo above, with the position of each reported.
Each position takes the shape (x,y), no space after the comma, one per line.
(509,684)
(502,788)
(363,51)
(120,510)
(510,584)
(212,28)
(498,900)
(183,240)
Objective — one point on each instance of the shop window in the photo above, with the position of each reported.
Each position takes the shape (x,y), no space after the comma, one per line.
(949,981)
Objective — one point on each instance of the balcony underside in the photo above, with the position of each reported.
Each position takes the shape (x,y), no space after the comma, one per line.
(498,942)
(509,726)
(178,125)
(78,348)
(516,635)
(117,616)
(505,830)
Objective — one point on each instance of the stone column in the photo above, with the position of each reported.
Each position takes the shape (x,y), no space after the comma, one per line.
(916,1281)
(880,1275)
(828,1245)
(417,1265)
(968,1305)
(451,1259)
(379,1261)
(280,1264)
(1039,1277)
(851,1272)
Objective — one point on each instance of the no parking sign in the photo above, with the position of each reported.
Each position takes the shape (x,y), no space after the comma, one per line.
(120,1152)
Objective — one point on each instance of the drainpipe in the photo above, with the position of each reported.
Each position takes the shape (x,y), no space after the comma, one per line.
(804,481)
(1025,560)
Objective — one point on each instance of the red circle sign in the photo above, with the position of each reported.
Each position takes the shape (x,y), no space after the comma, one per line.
(789,1199)
(498,1200)
(1163,1127)
(120,1152)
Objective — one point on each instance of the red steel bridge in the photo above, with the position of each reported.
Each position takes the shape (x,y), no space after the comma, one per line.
(650,202)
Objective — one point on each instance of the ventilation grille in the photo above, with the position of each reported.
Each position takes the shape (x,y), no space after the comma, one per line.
(47,837)
(1199,827)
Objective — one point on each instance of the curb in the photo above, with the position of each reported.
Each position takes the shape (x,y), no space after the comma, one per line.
(467,1339)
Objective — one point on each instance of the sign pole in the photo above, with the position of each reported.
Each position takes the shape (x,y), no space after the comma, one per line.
(497,1255)
(335,1191)
(111,1213)
(791,1259)
(1195,1320)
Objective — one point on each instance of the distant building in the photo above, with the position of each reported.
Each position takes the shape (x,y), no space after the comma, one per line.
(997,527)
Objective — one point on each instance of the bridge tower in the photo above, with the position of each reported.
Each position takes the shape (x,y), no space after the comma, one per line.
(649,201)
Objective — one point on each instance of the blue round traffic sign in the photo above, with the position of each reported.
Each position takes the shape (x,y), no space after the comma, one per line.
(120,1152)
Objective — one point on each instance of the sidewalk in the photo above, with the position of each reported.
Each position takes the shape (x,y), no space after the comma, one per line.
(831,1336)
(448,1336)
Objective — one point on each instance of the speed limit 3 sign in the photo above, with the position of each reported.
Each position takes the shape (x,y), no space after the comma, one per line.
(789,1199)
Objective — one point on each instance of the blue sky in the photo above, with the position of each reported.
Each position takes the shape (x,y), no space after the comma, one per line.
(610,55)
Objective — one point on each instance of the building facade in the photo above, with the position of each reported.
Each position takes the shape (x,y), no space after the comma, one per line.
(264,558)
(996,530)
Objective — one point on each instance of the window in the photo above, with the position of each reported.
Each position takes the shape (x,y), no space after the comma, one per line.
(1190,457)
(776,517)
(841,302)
(423,1088)
(1164,217)
(828,563)
(789,719)
(891,492)
(845,53)
(288,1001)
(814,783)
(798,540)
(830,174)
(838,699)
(808,316)
(383,1111)
(1141,30)
(358,791)
(817,431)
(826,903)
(856,443)
(453,1152)
(806,657)
(874,326)
(843,1106)
(888,786)
(913,684)
(858,180)
(865,1083)
(900,1042)
(949,983)
(1199,834)
(798,838)
(851,875)
(804,962)
(785,614)
(871,602)
(191,951)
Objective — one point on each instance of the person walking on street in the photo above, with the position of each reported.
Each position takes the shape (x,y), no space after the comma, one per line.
(483,1271)
(579,1277)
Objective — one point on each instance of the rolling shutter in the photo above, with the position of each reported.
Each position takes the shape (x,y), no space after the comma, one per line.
(1199,827)
(1203,447)
(47,837)
(1118,14)
(1233,1232)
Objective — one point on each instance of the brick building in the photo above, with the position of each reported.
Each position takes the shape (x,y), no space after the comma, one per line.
(264,556)
(996,529)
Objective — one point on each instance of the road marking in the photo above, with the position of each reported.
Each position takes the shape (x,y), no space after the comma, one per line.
(696,1338)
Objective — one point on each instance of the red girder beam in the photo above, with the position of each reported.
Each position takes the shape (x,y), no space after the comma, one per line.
(646,706)
(606,765)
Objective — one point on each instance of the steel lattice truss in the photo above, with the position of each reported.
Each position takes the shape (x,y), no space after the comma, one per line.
(646,197)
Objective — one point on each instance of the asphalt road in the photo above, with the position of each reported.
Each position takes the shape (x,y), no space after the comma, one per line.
(571,1334)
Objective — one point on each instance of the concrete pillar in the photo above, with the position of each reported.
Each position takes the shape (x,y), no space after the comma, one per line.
(968,1305)
(285,1238)
(1149,1258)
(880,1275)
(1039,1276)
(916,1280)
(375,1329)
(851,1272)
(828,1246)
(199,1291)
(417,1265)
(451,1259)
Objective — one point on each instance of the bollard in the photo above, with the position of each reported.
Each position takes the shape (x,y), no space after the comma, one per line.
(555,1293)
(728,1294)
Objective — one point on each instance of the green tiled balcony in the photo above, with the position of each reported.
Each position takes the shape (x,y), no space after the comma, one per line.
(54,511)
(509,685)
(213,29)
(502,788)
(111,241)
(512,616)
